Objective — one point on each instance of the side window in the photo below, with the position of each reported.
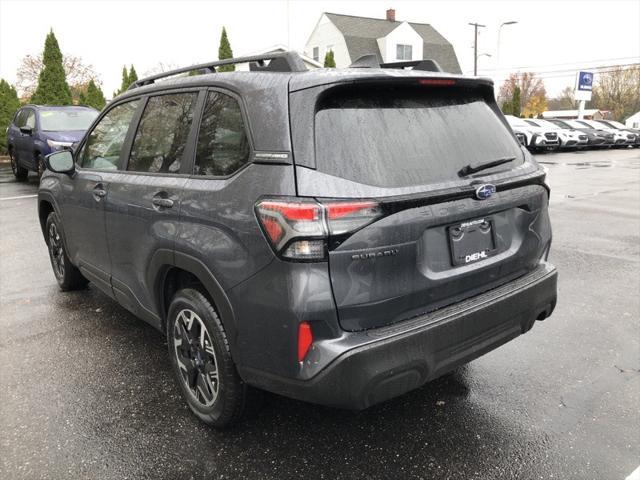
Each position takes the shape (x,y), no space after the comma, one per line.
(162,134)
(20,118)
(30,120)
(104,144)
(223,146)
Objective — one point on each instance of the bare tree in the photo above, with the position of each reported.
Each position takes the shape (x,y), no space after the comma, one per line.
(618,90)
(530,86)
(565,101)
(78,73)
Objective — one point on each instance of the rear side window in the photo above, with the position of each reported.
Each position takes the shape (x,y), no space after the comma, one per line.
(102,149)
(405,136)
(223,146)
(162,134)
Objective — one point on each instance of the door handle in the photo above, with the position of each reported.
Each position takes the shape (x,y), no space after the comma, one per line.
(162,202)
(99,192)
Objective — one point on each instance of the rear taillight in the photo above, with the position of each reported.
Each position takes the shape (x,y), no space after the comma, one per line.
(299,229)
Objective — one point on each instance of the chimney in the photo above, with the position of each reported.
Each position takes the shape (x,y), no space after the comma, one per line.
(391,15)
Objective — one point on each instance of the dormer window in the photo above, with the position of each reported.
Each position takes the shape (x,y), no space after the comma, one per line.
(403,52)
(316,53)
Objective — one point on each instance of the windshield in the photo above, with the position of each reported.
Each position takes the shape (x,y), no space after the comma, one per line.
(531,122)
(515,122)
(560,124)
(576,124)
(614,124)
(398,137)
(66,120)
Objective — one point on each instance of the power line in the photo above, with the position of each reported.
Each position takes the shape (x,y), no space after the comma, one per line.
(560,64)
(570,72)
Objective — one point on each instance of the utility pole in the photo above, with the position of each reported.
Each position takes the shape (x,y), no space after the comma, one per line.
(475,47)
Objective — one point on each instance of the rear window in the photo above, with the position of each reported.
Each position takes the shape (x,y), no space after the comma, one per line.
(406,136)
(66,120)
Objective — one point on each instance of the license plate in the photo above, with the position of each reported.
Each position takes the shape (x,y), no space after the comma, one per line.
(472,241)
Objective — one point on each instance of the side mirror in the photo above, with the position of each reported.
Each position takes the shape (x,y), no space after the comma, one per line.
(26,129)
(61,162)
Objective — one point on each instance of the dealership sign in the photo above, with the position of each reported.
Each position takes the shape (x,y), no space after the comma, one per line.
(584,85)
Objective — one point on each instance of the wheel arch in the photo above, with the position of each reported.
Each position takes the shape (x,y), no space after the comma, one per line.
(169,271)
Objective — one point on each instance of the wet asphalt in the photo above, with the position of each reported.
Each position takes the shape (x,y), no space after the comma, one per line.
(86,389)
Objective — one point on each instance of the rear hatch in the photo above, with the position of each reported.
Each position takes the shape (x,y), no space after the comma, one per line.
(443,228)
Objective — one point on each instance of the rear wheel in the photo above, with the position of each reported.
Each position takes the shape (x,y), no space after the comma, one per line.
(18,172)
(202,362)
(67,275)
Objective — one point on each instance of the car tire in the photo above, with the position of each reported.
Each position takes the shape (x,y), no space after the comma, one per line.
(202,361)
(67,275)
(40,165)
(20,173)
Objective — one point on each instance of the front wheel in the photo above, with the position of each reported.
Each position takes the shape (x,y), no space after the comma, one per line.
(67,275)
(202,362)
(40,165)
(18,172)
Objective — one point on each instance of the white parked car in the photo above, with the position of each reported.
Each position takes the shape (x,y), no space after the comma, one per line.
(537,138)
(621,126)
(620,136)
(569,138)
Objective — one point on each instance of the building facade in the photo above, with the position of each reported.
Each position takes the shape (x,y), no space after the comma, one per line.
(351,37)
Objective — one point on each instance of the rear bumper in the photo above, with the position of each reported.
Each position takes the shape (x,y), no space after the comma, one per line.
(382,363)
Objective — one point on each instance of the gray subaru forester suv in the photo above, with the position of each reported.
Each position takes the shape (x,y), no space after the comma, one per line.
(335,236)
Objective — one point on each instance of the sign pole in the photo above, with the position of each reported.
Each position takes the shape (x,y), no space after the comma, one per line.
(581,109)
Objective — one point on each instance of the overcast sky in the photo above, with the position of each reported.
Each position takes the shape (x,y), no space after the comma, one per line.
(554,37)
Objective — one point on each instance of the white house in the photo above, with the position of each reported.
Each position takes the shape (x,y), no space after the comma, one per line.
(351,37)
(633,121)
(309,62)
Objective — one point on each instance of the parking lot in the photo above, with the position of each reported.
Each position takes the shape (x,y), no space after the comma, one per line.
(86,389)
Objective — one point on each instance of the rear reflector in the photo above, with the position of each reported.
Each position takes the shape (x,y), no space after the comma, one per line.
(305,339)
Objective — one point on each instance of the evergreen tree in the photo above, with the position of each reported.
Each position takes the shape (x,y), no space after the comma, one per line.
(95,97)
(125,81)
(9,103)
(82,99)
(52,86)
(516,107)
(224,52)
(329,60)
(133,76)
(507,108)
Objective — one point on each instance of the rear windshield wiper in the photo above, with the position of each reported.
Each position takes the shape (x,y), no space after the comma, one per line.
(478,167)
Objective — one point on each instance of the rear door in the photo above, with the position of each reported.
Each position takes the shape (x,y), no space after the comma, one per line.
(441,234)
(143,204)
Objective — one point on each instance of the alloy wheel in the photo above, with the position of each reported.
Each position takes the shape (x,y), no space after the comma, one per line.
(196,357)
(56,250)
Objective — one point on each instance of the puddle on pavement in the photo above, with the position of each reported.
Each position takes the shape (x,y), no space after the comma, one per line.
(594,164)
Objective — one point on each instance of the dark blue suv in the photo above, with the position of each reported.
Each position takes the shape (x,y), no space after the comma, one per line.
(37,131)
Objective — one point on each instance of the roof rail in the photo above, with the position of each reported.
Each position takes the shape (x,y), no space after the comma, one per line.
(278,62)
(371,61)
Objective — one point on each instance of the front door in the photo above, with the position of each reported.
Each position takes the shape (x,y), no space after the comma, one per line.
(84,194)
(143,204)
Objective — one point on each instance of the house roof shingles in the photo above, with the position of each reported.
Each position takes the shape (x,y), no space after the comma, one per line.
(361,34)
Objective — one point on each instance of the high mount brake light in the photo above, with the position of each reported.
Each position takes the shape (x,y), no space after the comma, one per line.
(437,82)
(298,229)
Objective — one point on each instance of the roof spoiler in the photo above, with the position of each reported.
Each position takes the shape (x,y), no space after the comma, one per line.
(278,62)
(371,61)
